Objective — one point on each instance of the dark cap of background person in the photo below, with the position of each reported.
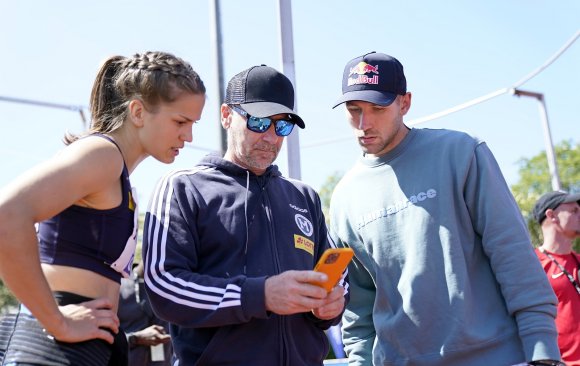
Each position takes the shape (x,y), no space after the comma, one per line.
(262,91)
(373,77)
(552,200)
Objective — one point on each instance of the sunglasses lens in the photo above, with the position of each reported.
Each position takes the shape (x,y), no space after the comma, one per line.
(283,127)
(259,125)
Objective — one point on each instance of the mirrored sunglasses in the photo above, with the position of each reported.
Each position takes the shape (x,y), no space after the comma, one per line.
(282,127)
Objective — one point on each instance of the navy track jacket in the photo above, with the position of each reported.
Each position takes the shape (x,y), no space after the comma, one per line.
(213,234)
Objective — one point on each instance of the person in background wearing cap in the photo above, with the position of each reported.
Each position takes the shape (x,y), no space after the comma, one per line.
(558,214)
(230,244)
(444,272)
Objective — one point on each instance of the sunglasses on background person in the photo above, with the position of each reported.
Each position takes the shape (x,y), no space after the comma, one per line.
(282,127)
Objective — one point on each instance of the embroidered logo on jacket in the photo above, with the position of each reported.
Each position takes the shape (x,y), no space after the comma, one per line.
(303,210)
(304,224)
(303,243)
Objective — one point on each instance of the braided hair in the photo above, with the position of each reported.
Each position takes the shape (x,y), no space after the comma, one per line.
(152,77)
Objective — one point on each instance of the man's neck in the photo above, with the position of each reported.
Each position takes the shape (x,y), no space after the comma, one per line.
(561,246)
(556,242)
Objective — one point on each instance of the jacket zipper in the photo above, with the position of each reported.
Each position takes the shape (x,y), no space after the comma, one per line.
(282,320)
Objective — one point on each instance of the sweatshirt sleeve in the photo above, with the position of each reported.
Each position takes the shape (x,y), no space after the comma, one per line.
(525,288)
(177,293)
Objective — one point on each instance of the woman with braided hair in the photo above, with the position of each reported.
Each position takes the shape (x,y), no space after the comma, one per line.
(68,226)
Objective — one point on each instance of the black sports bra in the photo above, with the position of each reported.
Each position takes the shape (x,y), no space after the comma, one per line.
(102,241)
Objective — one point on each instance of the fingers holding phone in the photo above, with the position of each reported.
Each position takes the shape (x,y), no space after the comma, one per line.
(294,292)
(334,305)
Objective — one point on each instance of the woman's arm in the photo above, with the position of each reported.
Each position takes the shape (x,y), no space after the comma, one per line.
(84,170)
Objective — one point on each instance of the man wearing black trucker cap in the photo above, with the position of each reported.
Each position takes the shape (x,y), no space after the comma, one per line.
(444,272)
(230,244)
(558,214)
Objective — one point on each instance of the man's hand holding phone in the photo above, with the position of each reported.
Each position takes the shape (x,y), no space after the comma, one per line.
(294,292)
(334,305)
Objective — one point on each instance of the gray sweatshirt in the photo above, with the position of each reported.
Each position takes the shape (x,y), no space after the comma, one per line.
(444,273)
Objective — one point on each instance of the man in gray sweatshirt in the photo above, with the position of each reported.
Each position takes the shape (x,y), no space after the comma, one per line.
(444,271)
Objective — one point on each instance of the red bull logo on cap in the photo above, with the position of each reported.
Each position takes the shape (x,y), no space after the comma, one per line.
(363,68)
(360,70)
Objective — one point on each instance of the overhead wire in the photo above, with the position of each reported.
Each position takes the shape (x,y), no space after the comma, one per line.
(457,108)
(74,108)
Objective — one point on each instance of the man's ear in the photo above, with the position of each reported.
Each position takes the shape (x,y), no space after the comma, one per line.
(136,112)
(226,116)
(550,214)
(405,103)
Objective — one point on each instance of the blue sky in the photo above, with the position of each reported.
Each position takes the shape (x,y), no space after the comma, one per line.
(452,51)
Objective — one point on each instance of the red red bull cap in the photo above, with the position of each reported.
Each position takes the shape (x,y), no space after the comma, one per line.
(374,77)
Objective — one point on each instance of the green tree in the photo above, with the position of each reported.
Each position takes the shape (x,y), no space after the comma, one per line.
(325,193)
(7,300)
(535,180)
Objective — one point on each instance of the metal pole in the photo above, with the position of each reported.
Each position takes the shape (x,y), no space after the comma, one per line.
(216,45)
(551,156)
(74,108)
(287,50)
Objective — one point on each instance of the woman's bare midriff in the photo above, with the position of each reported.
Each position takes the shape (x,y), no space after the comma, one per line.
(81,282)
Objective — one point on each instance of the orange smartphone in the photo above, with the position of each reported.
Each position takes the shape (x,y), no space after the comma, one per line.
(333,262)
